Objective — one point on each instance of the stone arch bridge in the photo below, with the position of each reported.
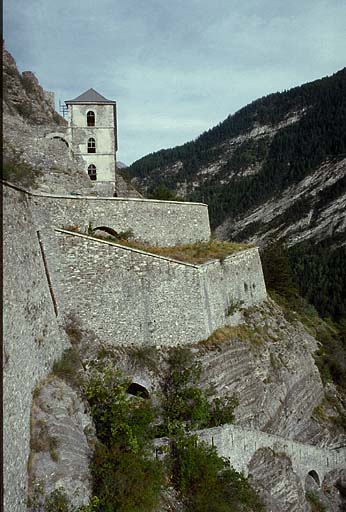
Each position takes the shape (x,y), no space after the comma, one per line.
(239,445)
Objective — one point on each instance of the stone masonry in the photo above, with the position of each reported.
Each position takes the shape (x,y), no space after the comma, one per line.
(143,298)
(239,445)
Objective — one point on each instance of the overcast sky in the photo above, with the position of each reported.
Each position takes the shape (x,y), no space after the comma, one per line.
(175,67)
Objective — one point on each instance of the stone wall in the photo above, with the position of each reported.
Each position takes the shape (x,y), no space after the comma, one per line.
(163,223)
(127,296)
(240,445)
(32,338)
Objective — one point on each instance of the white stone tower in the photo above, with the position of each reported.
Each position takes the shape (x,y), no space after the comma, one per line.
(92,127)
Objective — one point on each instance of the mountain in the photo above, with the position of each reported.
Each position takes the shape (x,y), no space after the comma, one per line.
(274,170)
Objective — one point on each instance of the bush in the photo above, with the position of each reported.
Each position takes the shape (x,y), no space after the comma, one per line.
(126,481)
(67,367)
(184,402)
(125,477)
(207,482)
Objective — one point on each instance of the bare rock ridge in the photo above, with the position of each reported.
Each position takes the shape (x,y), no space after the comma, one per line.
(24,96)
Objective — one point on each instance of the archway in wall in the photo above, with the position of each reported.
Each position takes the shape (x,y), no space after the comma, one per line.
(136,389)
(59,136)
(314,475)
(106,229)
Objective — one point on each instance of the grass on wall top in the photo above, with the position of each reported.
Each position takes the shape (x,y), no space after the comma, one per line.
(199,252)
(196,253)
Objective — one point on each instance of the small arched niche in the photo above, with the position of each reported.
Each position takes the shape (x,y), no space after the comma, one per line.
(136,389)
(314,475)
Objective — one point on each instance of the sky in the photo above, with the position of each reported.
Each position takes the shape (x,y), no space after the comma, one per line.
(175,67)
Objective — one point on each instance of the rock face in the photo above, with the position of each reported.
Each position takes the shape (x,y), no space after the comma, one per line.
(57,172)
(60,451)
(24,97)
(301,204)
(285,493)
(273,373)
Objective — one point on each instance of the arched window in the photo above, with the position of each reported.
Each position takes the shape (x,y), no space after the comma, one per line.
(91,145)
(92,172)
(91,118)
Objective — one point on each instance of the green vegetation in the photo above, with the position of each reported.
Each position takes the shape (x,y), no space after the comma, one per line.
(241,332)
(207,481)
(68,366)
(184,403)
(164,194)
(56,502)
(127,477)
(320,271)
(281,283)
(313,499)
(197,253)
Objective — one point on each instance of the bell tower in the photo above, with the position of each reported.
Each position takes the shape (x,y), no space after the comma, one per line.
(92,126)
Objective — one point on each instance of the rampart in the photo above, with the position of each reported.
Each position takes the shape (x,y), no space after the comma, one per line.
(32,338)
(239,445)
(128,296)
(164,223)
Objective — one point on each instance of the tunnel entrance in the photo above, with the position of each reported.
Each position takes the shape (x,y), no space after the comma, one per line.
(138,390)
(314,475)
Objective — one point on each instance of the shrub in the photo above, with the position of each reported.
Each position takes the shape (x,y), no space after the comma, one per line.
(313,499)
(126,481)
(184,402)
(118,417)
(207,482)
(67,367)
(125,478)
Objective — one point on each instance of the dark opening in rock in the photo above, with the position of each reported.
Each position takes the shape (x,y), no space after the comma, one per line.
(138,390)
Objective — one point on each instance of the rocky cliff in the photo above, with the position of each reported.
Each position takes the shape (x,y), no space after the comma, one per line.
(24,97)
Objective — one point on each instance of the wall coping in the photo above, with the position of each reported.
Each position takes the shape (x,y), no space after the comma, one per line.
(157,256)
(274,437)
(98,198)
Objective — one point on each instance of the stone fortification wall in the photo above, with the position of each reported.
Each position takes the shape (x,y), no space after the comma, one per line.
(240,445)
(127,296)
(163,223)
(32,339)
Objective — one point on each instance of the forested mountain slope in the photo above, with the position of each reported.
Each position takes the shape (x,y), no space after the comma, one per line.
(276,169)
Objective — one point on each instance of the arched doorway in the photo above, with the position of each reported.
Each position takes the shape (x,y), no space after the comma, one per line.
(136,389)
(314,476)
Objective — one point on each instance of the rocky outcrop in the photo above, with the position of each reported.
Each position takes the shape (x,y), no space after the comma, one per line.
(24,97)
(268,364)
(61,435)
(298,214)
(279,487)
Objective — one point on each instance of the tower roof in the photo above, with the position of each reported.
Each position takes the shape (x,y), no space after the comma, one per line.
(90,96)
